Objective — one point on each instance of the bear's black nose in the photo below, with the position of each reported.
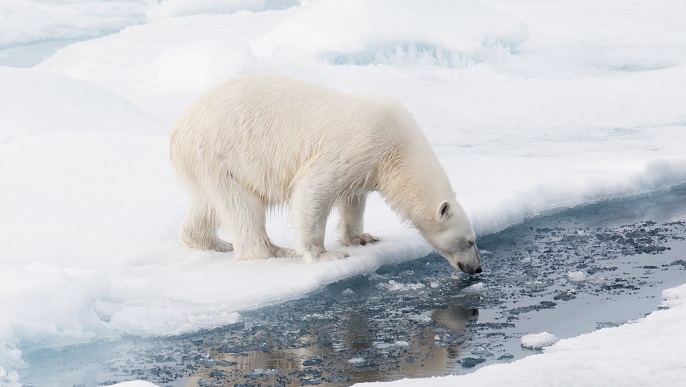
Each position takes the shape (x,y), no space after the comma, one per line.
(469,270)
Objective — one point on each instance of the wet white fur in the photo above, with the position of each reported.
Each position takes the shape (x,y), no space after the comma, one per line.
(260,141)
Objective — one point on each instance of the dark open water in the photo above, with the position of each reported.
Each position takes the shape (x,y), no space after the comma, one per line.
(421,318)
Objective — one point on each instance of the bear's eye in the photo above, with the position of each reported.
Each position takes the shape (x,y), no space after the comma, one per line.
(471,243)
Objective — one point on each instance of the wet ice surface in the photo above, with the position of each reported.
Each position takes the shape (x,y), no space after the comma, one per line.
(583,269)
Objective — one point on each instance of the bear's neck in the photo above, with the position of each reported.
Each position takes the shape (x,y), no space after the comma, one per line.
(413,183)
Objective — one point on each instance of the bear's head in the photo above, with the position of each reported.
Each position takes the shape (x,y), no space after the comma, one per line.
(451,234)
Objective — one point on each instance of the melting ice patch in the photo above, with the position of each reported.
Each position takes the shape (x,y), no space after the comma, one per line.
(453,33)
(393,286)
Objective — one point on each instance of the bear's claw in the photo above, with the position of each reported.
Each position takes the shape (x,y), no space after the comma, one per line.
(359,240)
(222,247)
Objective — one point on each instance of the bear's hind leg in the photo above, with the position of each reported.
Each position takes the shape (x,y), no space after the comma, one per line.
(351,223)
(243,216)
(200,227)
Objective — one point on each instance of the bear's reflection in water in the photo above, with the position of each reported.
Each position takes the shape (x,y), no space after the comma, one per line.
(356,348)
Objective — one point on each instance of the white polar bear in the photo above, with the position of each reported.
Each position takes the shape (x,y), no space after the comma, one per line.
(260,141)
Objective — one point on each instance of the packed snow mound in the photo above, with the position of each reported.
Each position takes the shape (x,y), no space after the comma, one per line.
(34,102)
(454,33)
(201,65)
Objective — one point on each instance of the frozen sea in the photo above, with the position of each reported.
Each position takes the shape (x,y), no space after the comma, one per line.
(534,108)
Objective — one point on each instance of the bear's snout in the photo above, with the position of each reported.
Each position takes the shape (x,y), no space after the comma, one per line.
(469,270)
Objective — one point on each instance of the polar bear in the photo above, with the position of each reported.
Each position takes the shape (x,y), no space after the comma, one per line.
(262,140)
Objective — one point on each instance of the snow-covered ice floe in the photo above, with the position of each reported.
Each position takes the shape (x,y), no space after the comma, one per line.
(552,107)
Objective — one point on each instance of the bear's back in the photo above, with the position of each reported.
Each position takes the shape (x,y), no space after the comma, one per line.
(266,130)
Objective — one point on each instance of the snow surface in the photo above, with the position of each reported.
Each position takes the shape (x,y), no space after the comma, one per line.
(588,107)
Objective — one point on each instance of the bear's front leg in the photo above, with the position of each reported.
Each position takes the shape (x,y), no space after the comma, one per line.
(351,224)
(311,202)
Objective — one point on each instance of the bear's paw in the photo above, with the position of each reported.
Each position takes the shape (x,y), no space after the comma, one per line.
(359,240)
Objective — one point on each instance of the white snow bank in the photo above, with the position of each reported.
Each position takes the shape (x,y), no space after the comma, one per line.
(453,33)
(648,352)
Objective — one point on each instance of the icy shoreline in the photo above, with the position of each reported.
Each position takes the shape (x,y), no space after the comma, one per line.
(415,319)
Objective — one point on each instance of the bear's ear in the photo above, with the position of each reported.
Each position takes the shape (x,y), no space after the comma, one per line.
(444,210)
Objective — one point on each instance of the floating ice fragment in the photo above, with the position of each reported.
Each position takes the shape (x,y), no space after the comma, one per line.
(356,360)
(471,362)
(535,284)
(135,383)
(262,371)
(348,292)
(424,317)
(313,362)
(538,341)
(475,289)
(314,316)
(9,378)
(402,344)
(394,286)
(576,276)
